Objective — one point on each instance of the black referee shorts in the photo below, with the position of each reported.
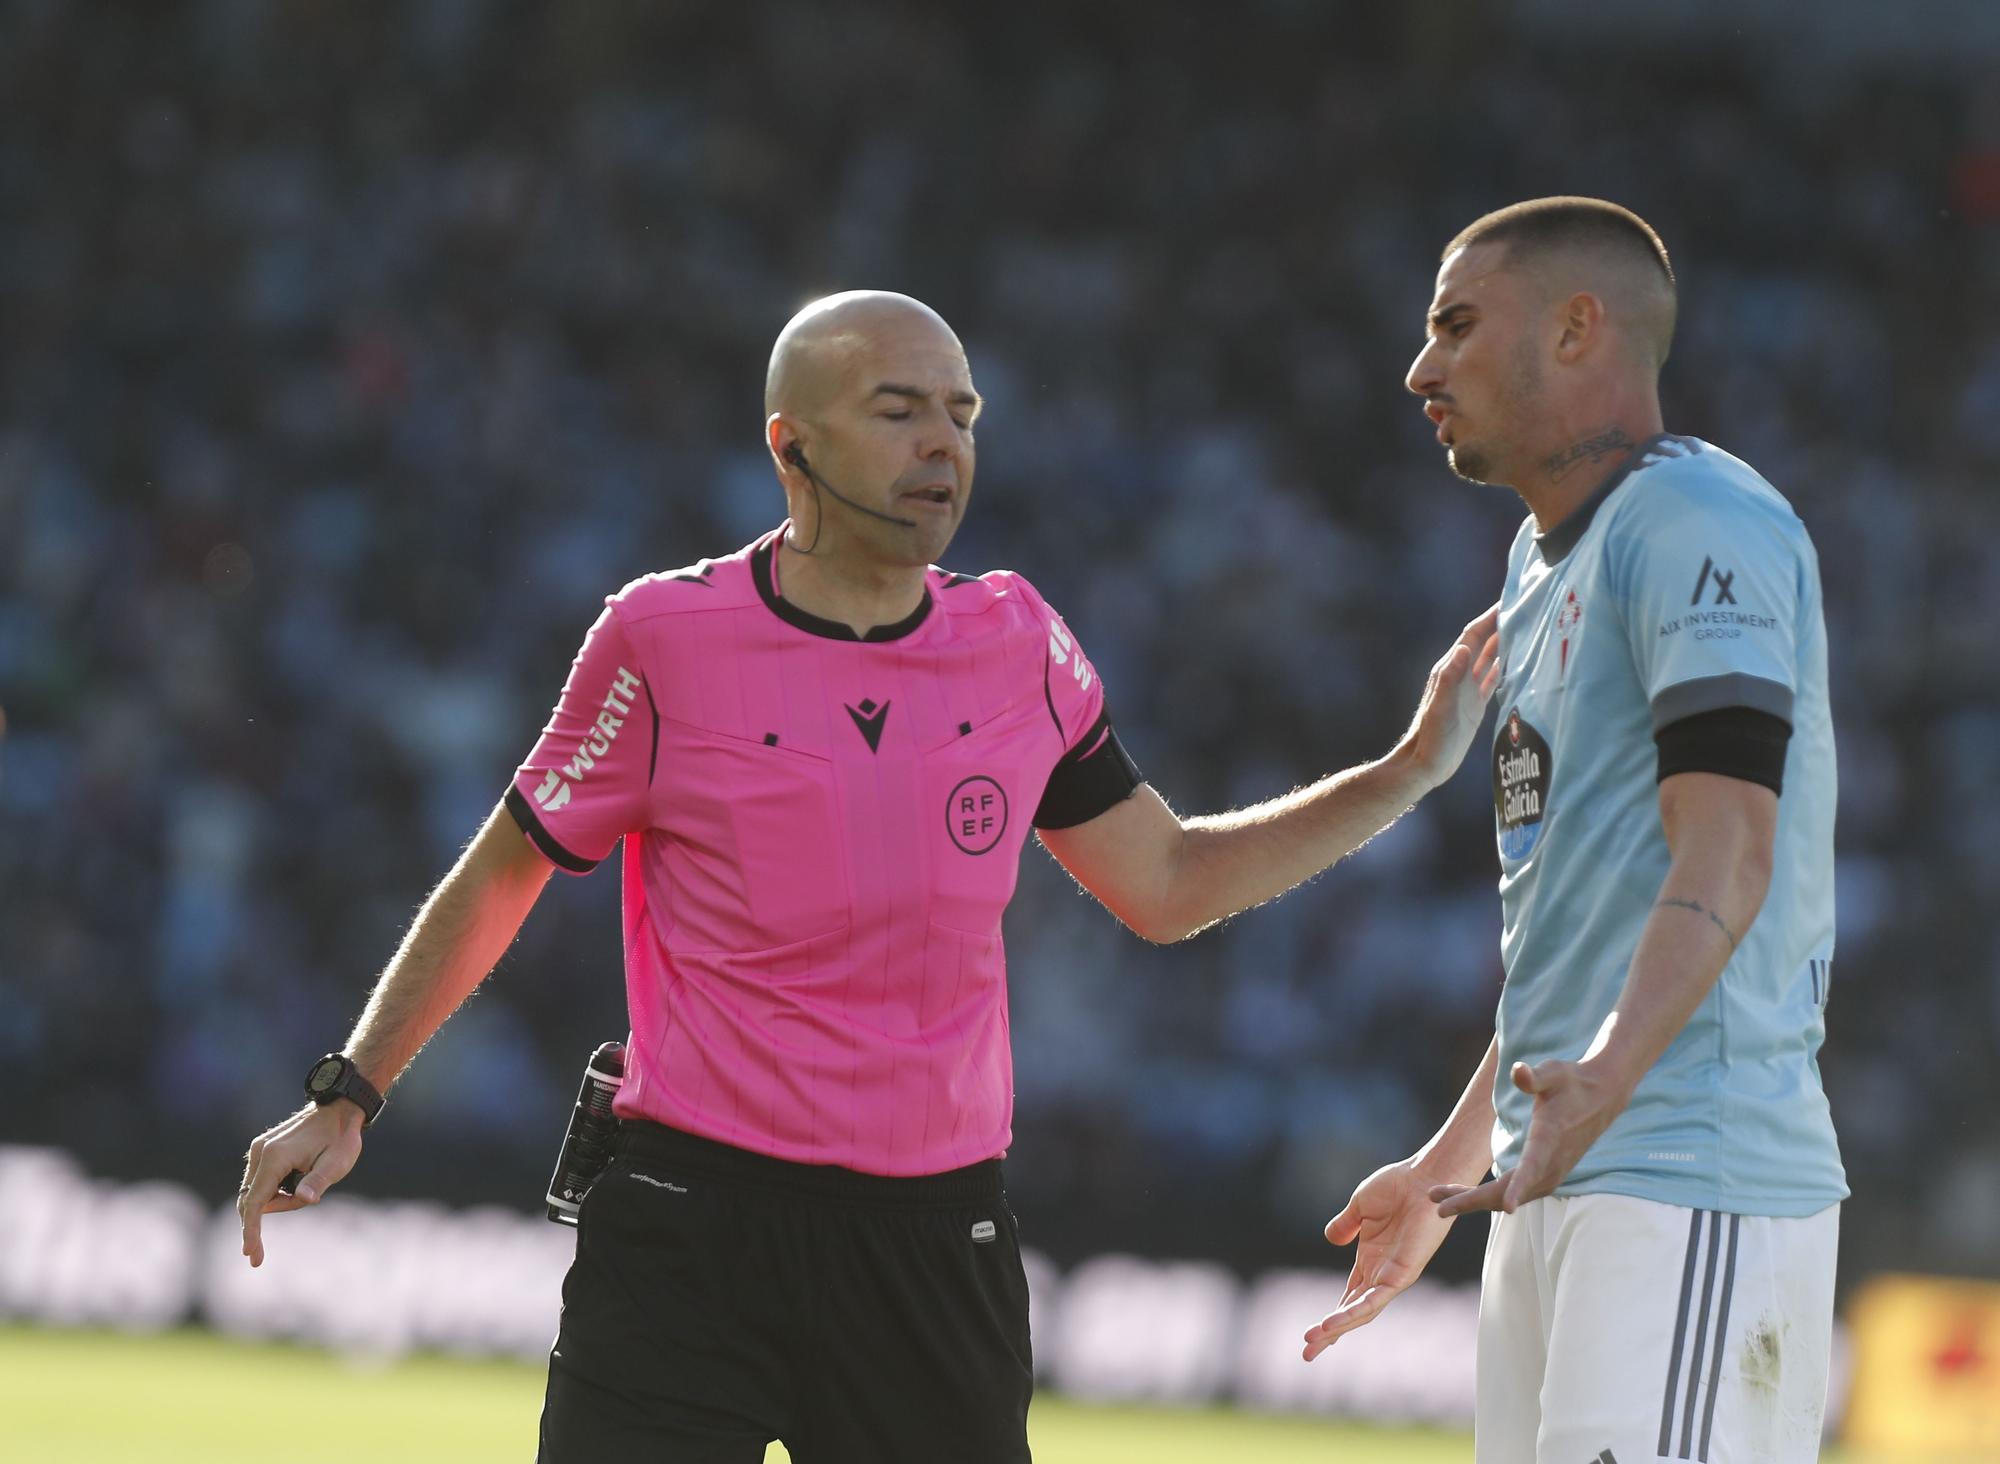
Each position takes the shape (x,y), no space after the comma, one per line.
(721,1299)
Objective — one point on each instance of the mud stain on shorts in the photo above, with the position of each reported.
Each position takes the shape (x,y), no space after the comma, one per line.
(1764,1353)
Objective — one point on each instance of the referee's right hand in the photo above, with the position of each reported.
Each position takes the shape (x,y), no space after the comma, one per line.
(1455,697)
(321,1143)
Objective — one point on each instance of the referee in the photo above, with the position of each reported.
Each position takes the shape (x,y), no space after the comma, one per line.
(822,756)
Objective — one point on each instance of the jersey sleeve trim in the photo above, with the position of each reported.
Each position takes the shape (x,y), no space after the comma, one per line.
(542,838)
(1093,777)
(1713,693)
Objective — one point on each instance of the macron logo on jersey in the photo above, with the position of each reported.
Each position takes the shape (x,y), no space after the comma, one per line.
(555,789)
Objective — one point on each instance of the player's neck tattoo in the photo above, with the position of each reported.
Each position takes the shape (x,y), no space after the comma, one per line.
(1591,450)
(1714,919)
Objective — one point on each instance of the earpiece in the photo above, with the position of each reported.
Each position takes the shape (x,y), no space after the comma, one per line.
(796,456)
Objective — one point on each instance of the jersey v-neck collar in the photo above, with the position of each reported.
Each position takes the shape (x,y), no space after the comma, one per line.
(763,575)
(1557,542)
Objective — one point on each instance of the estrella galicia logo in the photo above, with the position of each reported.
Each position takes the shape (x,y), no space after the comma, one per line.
(975,815)
(1521,765)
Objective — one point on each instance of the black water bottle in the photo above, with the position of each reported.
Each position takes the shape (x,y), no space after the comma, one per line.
(592,1129)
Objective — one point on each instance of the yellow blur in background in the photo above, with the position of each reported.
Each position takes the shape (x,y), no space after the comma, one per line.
(1926,1368)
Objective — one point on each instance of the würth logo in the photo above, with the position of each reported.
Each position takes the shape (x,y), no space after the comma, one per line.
(597,739)
(868,721)
(1724,578)
(1063,651)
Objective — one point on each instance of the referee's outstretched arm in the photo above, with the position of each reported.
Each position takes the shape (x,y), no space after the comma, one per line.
(1167,877)
(457,938)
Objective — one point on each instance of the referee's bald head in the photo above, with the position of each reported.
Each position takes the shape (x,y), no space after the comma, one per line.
(819,343)
(1571,244)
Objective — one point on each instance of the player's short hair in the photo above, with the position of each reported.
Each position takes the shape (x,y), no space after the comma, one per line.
(1545,225)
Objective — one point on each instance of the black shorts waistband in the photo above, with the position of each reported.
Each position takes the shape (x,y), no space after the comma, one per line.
(974,1184)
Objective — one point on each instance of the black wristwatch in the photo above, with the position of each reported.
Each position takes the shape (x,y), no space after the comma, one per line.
(336,1076)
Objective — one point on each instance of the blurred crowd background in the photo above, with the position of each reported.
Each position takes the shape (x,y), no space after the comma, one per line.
(351,353)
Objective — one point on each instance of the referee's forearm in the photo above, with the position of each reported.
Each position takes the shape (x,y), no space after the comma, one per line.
(457,938)
(1230,862)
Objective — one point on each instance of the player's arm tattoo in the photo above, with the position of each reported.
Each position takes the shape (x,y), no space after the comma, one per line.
(1699,909)
(1590,449)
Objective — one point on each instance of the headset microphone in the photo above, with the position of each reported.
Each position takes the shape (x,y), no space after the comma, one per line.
(796,456)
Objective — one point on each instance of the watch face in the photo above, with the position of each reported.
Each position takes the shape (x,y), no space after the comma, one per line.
(324,1075)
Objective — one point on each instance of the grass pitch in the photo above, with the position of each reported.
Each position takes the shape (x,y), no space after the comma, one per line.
(103,1398)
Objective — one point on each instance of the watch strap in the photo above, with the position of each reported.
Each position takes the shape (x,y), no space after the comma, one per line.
(347,1083)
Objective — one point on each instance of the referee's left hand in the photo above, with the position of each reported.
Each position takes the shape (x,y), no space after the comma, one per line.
(319,1143)
(1574,1103)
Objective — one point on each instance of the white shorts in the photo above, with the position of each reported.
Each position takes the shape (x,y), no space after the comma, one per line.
(1615,1330)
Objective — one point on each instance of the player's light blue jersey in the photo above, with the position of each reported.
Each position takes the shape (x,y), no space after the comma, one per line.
(1685,585)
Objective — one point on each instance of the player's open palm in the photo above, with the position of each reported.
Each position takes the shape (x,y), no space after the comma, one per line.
(1455,697)
(1395,1230)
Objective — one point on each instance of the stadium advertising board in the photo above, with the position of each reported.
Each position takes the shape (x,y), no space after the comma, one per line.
(383,1278)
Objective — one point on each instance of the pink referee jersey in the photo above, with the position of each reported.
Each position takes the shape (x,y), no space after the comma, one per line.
(820,835)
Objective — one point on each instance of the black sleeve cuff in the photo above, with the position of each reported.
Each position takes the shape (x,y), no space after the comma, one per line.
(1737,742)
(531,825)
(1095,775)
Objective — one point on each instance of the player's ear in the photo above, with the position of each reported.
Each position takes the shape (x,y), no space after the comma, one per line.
(1582,322)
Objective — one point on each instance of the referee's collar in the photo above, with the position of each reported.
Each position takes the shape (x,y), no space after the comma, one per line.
(1557,542)
(763,574)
